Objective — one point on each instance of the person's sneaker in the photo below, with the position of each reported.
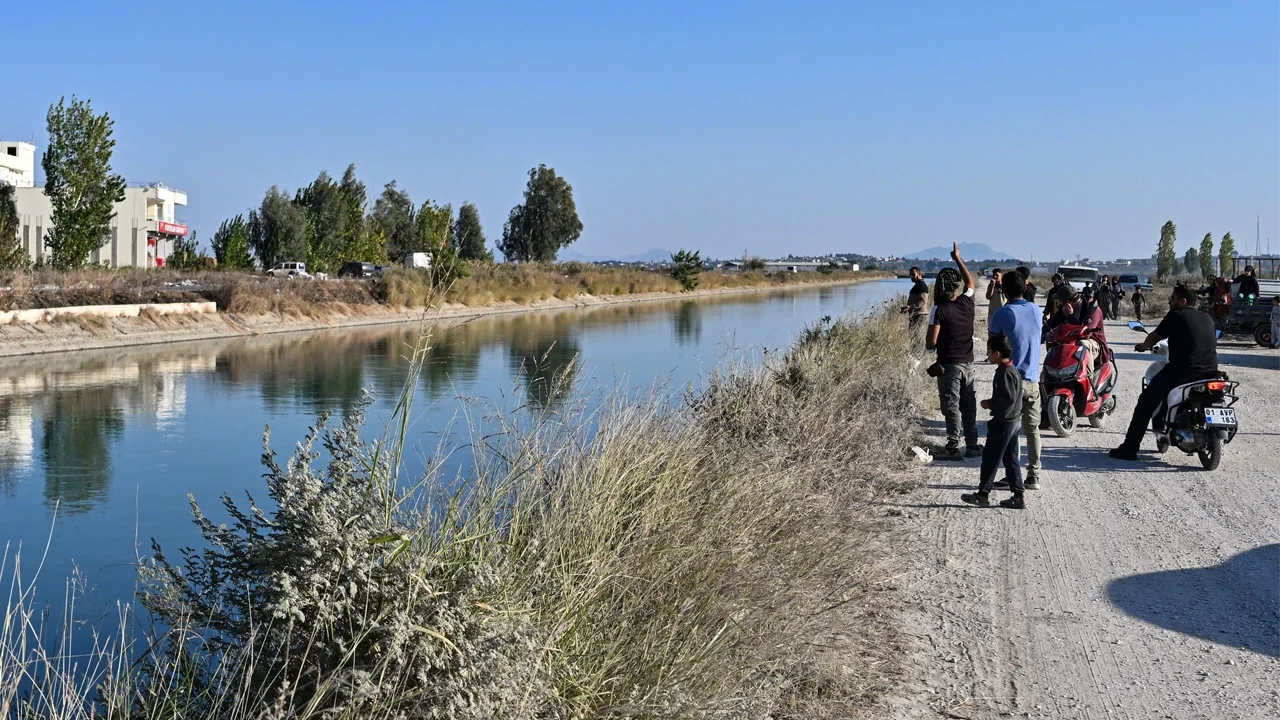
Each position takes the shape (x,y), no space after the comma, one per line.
(975,451)
(1014,502)
(1032,482)
(1124,453)
(949,453)
(979,499)
(1003,483)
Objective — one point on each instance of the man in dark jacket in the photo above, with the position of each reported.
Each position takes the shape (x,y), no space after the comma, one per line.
(1103,296)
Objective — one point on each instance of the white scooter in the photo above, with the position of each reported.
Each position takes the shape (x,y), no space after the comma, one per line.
(1198,417)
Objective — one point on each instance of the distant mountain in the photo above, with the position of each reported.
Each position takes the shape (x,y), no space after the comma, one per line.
(651,255)
(972,251)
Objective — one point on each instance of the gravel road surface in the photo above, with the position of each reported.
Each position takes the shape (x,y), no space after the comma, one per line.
(1125,590)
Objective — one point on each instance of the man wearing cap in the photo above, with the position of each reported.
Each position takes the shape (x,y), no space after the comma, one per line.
(951,335)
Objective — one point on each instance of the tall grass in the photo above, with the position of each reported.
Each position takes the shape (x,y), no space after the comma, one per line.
(709,558)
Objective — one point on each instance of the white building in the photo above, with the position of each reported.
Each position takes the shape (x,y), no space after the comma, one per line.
(142,230)
(17,164)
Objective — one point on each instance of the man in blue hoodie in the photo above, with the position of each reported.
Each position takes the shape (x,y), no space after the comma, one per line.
(1019,321)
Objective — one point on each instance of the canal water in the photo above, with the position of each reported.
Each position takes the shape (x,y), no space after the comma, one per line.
(100,449)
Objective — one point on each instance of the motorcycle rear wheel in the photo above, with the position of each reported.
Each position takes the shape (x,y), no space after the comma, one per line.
(1062,416)
(1212,454)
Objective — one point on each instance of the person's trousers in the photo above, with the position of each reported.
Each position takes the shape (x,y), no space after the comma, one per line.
(1105,307)
(1151,398)
(1275,334)
(1002,448)
(1031,425)
(1115,308)
(1137,312)
(959,401)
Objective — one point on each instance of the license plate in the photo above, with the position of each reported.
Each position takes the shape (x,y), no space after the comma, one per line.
(1225,417)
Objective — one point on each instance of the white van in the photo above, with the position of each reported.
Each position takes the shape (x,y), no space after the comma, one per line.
(1078,275)
(289,270)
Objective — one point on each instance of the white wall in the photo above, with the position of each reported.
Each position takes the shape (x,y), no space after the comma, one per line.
(124,246)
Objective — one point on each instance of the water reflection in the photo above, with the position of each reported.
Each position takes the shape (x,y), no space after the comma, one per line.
(688,323)
(63,417)
(80,405)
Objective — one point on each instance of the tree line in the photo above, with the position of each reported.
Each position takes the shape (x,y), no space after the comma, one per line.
(1196,260)
(324,224)
(330,222)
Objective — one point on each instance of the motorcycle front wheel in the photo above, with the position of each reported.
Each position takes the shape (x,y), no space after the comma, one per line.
(1212,454)
(1099,419)
(1062,416)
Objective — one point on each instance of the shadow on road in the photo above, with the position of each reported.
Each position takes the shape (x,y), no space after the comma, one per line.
(1262,362)
(1236,603)
(1094,460)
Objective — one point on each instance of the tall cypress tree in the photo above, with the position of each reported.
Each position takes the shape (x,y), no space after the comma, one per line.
(1166,252)
(1206,256)
(1226,251)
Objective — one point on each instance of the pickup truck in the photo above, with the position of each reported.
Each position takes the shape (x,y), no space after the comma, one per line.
(1251,315)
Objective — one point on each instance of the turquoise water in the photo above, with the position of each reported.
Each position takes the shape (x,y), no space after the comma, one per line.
(99,450)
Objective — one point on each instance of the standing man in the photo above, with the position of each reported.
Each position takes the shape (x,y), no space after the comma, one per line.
(1103,297)
(1052,303)
(951,334)
(1117,292)
(1019,322)
(917,299)
(1193,354)
(1030,294)
(995,296)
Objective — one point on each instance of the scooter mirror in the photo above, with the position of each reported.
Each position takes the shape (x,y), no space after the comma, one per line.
(1135,325)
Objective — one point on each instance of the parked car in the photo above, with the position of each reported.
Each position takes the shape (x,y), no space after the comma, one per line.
(1078,276)
(289,270)
(1129,282)
(358,270)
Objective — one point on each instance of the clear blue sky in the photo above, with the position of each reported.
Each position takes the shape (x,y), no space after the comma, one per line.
(1049,128)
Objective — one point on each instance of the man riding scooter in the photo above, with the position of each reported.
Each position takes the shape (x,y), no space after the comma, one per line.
(1193,355)
(1075,309)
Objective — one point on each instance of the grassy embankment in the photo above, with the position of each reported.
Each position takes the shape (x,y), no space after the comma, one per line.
(250,294)
(716,558)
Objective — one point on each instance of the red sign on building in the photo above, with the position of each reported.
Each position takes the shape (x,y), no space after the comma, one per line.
(168,228)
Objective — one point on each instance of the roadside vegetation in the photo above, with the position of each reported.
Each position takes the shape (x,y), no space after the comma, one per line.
(712,557)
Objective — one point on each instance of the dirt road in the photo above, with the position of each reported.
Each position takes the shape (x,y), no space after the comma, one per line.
(1125,590)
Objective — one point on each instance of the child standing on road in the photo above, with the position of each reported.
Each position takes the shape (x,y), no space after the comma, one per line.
(1002,429)
(1139,300)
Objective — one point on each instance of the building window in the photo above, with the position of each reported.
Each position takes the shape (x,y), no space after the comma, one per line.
(12,150)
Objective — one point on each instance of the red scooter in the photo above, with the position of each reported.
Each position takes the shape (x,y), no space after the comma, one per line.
(1072,391)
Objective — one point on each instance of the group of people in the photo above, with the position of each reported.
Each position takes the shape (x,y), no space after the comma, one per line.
(1017,328)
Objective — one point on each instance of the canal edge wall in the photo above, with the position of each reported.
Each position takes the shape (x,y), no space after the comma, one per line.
(130,330)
